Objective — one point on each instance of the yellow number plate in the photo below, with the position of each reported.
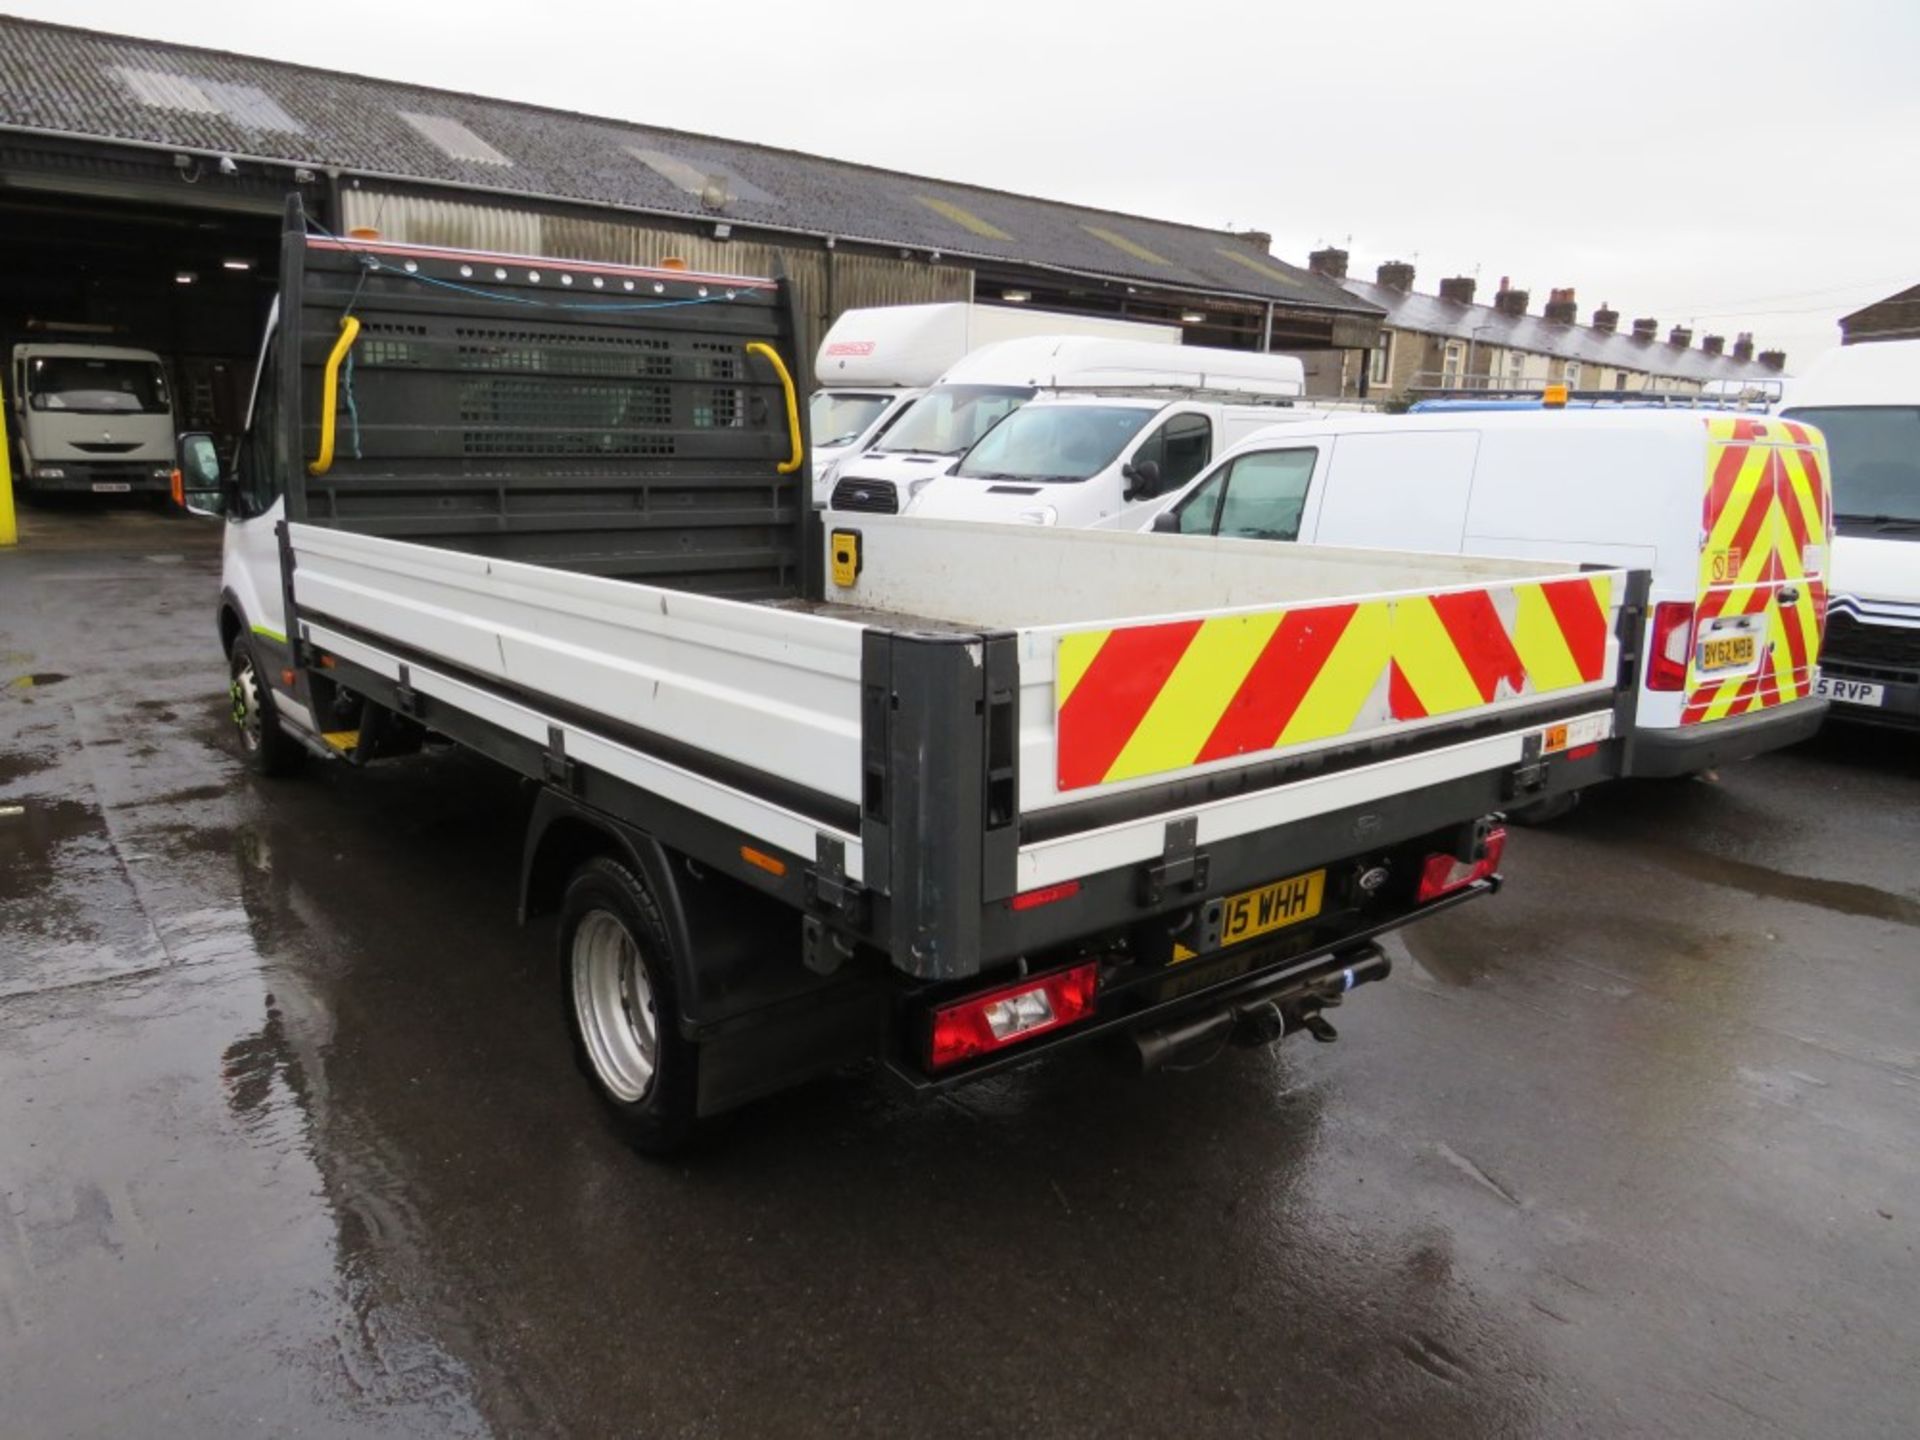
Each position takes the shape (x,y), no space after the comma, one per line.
(1727,654)
(1271,907)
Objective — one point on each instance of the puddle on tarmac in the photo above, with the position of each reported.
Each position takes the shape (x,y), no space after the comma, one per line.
(1841,896)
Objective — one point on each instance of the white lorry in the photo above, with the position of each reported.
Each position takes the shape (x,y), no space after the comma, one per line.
(92,419)
(1866,401)
(980,391)
(1730,513)
(810,795)
(876,361)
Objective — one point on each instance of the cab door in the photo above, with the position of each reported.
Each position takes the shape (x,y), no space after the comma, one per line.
(1761,604)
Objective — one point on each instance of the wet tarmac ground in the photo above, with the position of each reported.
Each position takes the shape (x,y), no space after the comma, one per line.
(291,1141)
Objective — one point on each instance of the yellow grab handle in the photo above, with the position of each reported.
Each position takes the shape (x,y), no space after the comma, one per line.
(793,462)
(330,394)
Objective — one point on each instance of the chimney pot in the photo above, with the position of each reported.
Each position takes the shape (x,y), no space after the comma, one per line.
(1606,319)
(1395,275)
(1646,328)
(1680,337)
(1459,289)
(1774,359)
(1713,344)
(1743,346)
(1561,308)
(1330,262)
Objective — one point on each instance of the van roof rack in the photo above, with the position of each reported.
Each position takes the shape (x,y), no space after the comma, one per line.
(1464,392)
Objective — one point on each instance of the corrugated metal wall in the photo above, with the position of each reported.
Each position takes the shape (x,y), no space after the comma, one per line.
(856,280)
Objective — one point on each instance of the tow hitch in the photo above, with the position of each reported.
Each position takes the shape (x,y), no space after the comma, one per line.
(1292,1003)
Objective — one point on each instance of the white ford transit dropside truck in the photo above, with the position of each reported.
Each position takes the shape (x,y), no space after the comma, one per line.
(808,795)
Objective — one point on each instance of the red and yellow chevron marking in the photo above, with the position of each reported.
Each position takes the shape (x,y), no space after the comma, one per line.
(1766,518)
(1147,699)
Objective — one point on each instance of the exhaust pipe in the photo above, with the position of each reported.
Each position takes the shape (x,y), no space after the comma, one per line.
(1291,1004)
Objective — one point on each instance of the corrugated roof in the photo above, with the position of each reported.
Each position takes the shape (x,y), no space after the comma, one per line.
(1485,325)
(113,87)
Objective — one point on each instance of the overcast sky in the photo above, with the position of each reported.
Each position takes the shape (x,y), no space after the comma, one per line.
(1745,166)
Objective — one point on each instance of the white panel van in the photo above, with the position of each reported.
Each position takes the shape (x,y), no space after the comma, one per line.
(1729,512)
(1866,401)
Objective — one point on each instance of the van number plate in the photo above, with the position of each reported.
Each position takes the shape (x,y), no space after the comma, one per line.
(1852,692)
(1272,907)
(1729,653)
(111,487)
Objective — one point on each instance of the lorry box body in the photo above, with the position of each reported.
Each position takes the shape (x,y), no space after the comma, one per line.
(877,360)
(92,419)
(980,390)
(813,794)
(1092,460)
(1866,400)
(1729,512)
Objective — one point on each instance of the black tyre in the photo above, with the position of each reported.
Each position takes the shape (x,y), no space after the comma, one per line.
(264,744)
(616,967)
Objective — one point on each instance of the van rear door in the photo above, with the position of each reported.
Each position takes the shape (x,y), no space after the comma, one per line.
(1762,597)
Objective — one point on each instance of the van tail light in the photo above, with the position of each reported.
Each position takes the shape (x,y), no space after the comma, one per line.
(1444,874)
(1672,645)
(982,1024)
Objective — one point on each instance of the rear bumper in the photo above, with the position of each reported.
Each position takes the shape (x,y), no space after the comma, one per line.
(1656,754)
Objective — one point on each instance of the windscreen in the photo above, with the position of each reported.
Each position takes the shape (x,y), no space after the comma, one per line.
(1874,451)
(841,419)
(87,386)
(1054,443)
(949,419)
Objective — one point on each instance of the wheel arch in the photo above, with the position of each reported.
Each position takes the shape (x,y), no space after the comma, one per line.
(563,834)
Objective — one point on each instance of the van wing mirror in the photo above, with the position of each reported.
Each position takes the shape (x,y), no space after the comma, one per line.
(1143,479)
(1167,522)
(200,488)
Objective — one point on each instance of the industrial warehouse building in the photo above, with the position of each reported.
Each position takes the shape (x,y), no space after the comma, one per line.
(142,184)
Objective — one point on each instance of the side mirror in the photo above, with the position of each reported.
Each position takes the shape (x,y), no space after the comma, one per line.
(202,490)
(1167,522)
(1143,477)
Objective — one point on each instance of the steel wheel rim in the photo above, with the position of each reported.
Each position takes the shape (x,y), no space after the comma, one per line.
(245,691)
(613,1001)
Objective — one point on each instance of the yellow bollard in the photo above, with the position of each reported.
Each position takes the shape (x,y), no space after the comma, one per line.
(9,532)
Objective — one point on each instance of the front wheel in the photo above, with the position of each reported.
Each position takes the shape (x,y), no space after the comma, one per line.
(265,745)
(616,965)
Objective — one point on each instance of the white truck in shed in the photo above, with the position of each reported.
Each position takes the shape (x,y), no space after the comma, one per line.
(941,796)
(92,420)
(876,361)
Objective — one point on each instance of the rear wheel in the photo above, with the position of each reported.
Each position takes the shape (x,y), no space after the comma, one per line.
(616,964)
(265,745)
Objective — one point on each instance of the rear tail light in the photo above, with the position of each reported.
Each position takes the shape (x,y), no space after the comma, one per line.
(1672,645)
(985,1023)
(1444,874)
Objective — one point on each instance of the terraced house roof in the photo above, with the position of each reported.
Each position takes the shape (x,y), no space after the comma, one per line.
(110,87)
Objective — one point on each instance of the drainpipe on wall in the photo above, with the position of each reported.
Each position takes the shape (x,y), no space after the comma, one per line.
(1266,343)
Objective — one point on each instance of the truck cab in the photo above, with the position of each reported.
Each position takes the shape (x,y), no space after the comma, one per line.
(92,419)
